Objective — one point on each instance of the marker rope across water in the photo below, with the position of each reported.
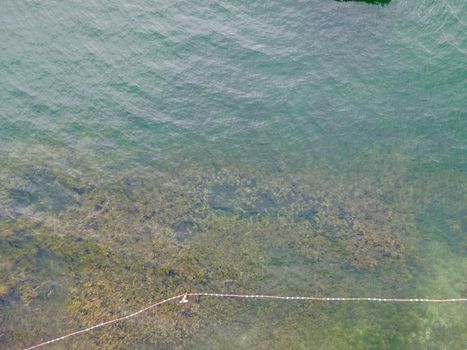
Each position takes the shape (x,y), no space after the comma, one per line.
(184,299)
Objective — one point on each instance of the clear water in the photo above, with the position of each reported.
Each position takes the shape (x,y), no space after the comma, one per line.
(276,147)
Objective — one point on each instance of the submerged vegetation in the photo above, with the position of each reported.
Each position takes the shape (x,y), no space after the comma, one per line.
(87,252)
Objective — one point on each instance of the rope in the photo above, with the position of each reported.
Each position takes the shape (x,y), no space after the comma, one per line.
(104,323)
(185,296)
(256,296)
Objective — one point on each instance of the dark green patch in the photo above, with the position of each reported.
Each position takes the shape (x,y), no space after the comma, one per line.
(23,197)
(373,2)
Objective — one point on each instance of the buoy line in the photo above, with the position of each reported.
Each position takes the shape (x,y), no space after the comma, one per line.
(184,299)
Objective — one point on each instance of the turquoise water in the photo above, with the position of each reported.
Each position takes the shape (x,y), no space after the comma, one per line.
(280,147)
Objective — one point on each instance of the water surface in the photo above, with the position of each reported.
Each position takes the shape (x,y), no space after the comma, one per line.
(293,148)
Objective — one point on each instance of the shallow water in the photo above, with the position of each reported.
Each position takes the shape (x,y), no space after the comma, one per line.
(293,148)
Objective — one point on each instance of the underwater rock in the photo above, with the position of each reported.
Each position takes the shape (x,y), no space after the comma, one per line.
(183,229)
(222,197)
(309,214)
(79,190)
(42,190)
